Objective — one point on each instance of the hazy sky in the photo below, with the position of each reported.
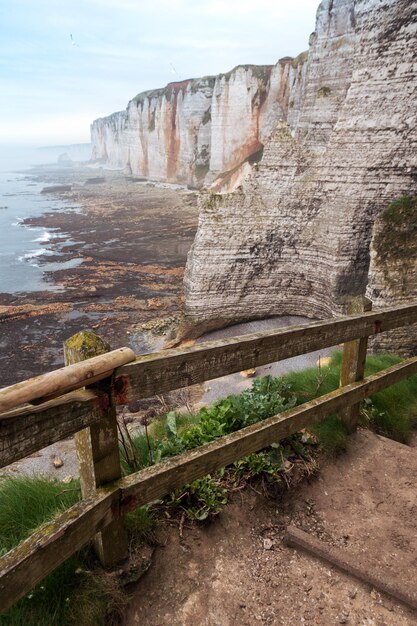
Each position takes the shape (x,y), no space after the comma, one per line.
(51,90)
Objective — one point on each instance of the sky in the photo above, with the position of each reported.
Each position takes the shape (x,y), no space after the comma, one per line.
(53,87)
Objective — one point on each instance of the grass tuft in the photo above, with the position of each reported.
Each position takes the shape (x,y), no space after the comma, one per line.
(78,591)
(391,412)
(68,595)
(27,502)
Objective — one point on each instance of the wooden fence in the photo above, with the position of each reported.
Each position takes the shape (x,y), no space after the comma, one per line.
(81,398)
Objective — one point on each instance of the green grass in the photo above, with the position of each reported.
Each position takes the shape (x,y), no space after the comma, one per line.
(27,502)
(69,594)
(78,591)
(392,412)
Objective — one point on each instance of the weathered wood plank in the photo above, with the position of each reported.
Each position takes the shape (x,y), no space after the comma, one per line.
(353,362)
(31,428)
(63,380)
(179,367)
(158,480)
(350,563)
(98,448)
(27,564)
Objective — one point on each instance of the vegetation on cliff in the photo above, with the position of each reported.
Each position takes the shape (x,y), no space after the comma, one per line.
(396,238)
(300,59)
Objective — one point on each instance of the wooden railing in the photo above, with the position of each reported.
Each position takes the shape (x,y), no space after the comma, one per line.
(81,398)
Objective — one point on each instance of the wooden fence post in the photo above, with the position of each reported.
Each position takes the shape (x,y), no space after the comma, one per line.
(353,362)
(98,448)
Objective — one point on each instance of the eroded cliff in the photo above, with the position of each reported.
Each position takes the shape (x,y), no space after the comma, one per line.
(393,270)
(295,237)
(192,131)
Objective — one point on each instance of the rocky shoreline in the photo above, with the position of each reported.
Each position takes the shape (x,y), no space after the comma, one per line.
(124,252)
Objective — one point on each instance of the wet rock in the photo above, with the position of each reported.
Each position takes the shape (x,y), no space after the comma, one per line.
(56,189)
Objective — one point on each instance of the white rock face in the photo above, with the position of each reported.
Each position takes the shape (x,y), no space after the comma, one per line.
(294,238)
(393,271)
(193,130)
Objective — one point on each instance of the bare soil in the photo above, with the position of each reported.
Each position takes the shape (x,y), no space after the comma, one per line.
(238,571)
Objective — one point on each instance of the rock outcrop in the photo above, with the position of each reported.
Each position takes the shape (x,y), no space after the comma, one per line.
(192,131)
(295,237)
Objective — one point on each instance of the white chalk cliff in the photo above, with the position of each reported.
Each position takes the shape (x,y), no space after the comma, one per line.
(295,236)
(192,131)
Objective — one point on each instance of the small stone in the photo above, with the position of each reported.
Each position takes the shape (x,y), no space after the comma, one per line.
(374,594)
(58,462)
(353,593)
(249,373)
(268,543)
(67,479)
(343,618)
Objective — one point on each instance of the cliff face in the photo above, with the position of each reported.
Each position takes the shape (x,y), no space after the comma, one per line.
(393,270)
(295,237)
(191,131)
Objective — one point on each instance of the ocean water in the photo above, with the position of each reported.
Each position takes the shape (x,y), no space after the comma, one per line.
(21,246)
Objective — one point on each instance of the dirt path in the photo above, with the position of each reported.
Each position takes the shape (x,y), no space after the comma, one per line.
(238,571)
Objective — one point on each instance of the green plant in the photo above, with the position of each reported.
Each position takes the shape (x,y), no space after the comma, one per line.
(78,591)
(300,59)
(395,239)
(151,125)
(268,462)
(395,408)
(199,500)
(324,91)
(141,524)
(72,593)
(206,117)
(394,413)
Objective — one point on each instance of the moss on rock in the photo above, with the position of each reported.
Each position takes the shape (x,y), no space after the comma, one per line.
(300,59)
(396,238)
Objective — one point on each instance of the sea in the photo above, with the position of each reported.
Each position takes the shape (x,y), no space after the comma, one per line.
(24,249)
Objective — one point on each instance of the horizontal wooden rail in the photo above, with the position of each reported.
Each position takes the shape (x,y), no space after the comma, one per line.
(164,371)
(158,480)
(180,367)
(29,429)
(32,428)
(63,380)
(28,563)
